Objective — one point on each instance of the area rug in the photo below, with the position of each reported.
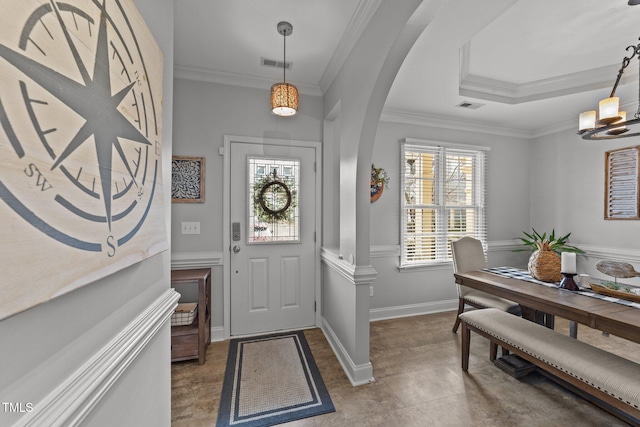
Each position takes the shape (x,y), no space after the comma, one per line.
(271,380)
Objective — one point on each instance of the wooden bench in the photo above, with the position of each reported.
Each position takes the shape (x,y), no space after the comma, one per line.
(609,381)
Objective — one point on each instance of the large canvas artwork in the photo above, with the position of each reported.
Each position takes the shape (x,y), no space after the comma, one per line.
(80,146)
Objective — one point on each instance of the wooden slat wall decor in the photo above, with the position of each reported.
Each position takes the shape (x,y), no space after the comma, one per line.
(81,192)
(621,184)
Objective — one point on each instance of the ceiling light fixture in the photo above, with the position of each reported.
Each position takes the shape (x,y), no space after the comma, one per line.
(610,122)
(284,96)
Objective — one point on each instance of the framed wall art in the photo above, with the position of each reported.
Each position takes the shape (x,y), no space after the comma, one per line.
(187,179)
(81,146)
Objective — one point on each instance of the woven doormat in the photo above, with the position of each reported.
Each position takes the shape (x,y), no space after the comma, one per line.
(271,380)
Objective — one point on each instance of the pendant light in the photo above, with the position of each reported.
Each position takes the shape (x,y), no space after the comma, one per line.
(284,96)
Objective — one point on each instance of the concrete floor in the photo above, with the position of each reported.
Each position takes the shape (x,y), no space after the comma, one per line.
(419,382)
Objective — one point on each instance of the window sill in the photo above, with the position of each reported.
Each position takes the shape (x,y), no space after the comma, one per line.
(442,265)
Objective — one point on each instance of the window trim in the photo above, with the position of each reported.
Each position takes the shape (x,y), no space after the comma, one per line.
(479,174)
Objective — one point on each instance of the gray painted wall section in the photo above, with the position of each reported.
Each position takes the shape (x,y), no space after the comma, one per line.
(203,113)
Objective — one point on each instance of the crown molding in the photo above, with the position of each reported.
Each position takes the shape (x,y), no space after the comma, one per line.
(358,22)
(236,79)
(513,93)
(419,119)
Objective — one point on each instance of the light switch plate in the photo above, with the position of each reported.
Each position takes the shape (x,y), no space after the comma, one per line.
(190,227)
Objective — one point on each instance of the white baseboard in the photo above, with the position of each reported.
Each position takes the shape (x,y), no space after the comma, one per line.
(217,333)
(73,399)
(412,310)
(357,374)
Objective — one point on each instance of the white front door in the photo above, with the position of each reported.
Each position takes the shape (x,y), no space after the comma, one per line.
(273,216)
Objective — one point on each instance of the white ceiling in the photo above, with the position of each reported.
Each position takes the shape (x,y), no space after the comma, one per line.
(535,65)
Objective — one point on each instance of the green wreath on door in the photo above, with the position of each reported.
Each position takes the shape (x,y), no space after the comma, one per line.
(273,199)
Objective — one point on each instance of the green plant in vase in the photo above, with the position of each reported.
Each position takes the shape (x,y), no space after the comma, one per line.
(544,262)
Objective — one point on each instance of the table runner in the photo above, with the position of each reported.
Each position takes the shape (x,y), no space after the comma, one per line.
(516,273)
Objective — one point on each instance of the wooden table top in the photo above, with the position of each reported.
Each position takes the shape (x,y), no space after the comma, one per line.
(611,317)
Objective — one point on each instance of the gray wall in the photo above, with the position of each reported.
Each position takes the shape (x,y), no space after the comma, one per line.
(570,197)
(42,346)
(203,113)
(508,207)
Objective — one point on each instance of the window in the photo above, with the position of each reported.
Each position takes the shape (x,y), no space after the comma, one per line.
(273,200)
(443,199)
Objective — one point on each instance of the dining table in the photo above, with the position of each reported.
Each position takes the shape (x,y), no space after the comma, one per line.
(616,317)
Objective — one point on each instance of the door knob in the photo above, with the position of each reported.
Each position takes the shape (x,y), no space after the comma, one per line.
(236,249)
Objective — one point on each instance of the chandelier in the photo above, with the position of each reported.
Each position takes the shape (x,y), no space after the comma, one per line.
(284,96)
(610,122)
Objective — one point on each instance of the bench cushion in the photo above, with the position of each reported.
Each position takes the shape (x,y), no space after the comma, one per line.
(487,300)
(612,374)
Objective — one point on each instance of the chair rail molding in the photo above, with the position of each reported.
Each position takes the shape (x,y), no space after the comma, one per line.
(72,400)
(356,274)
(617,254)
(503,245)
(186,260)
(382,251)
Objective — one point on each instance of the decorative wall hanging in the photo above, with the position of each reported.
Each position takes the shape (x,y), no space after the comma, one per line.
(273,199)
(81,118)
(379,178)
(187,179)
(621,180)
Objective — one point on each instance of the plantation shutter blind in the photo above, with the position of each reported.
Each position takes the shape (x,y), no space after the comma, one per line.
(621,184)
(443,199)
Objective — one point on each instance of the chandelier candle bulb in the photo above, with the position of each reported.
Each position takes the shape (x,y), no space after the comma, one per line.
(587,120)
(609,108)
(568,263)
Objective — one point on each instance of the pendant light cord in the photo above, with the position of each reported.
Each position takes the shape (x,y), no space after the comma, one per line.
(284,62)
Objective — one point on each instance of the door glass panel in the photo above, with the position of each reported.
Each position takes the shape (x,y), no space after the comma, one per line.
(273,200)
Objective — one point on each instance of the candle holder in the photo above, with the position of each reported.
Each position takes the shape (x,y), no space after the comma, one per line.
(567,282)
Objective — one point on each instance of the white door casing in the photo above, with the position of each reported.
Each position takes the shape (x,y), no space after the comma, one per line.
(270,285)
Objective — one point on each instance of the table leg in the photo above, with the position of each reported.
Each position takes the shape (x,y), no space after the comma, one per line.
(573,329)
(549,320)
(546,319)
(528,313)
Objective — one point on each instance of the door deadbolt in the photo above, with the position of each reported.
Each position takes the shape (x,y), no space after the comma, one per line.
(235,231)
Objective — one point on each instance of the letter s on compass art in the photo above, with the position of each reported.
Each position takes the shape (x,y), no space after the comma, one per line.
(80,146)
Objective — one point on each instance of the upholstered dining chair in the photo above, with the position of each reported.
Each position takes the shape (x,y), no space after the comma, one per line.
(468,255)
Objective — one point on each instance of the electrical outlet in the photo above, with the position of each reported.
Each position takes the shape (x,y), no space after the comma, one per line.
(370,290)
(190,227)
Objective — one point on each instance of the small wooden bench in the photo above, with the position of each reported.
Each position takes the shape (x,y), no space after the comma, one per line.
(609,381)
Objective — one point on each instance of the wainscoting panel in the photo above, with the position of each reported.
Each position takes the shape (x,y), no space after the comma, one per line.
(70,402)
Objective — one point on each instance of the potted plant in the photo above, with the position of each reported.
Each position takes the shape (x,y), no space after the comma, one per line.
(544,262)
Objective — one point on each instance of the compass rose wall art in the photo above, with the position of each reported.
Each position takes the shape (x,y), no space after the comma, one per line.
(80,146)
